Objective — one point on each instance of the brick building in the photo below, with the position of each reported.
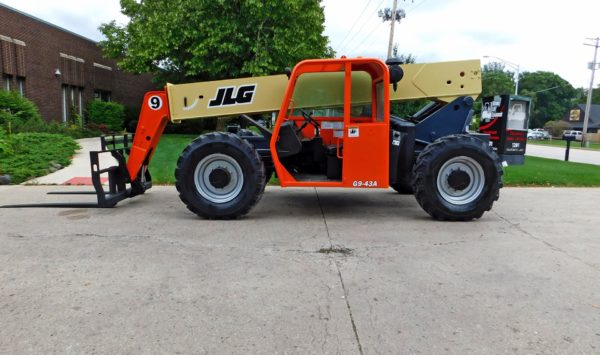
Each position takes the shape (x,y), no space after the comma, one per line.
(59,70)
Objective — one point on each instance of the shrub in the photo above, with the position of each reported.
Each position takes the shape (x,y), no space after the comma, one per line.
(110,114)
(132,114)
(5,148)
(556,128)
(18,114)
(31,154)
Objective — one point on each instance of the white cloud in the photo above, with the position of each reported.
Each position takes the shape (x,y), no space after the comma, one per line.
(80,16)
(538,35)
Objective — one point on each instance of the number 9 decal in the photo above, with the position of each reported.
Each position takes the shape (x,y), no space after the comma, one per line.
(155,102)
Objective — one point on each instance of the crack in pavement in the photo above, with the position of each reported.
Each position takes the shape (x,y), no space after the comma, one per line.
(548,244)
(354,329)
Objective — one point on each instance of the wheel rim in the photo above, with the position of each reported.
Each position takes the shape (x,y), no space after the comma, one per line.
(460,180)
(218,178)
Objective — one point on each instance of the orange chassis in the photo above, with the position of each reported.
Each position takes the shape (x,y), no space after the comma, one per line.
(365,156)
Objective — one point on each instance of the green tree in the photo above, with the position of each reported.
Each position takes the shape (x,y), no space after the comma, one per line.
(496,81)
(192,40)
(551,95)
(582,98)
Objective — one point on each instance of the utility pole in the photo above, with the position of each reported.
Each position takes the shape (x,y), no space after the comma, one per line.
(393,15)
(588,105)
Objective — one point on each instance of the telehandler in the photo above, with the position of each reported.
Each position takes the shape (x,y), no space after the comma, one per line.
(333,128)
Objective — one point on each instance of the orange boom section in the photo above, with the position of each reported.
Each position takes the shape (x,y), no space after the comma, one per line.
(154,117)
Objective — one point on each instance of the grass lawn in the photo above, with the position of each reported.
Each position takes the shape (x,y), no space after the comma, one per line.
(563,144)
(550,172)
(535,172)
(164,161)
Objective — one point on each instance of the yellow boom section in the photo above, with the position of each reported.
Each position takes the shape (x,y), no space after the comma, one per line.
(441,81)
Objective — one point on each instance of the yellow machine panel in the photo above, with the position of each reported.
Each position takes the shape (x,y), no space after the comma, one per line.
(442,81)
(226,97)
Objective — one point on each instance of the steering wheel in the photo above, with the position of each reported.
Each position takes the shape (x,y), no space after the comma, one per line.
(308,119)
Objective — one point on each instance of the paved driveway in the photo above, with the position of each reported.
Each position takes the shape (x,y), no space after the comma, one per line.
(308,271)
(587,156)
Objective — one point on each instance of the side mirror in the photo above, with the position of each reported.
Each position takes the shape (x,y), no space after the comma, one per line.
(396,72)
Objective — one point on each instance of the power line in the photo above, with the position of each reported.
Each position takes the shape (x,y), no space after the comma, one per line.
(342,47)
(368,36)
(355,22)
(360,29)
(417,5)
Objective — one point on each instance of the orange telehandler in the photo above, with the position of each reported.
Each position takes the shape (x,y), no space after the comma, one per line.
(333,128)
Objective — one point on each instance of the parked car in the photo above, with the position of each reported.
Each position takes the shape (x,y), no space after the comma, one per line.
(531,134)
(538,133)
(543,132)
(576,135)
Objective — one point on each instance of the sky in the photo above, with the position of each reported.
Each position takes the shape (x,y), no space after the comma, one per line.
(533,34)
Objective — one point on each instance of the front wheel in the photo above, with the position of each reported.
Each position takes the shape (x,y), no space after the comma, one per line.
(457,178)
(404,186)
(220,176)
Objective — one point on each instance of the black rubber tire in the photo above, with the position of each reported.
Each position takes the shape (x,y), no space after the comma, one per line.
(431,160)
(403,187)
(230,145)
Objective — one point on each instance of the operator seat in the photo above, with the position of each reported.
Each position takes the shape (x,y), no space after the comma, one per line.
(290,141)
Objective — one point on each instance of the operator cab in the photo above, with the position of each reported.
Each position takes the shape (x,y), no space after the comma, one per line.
(341,144)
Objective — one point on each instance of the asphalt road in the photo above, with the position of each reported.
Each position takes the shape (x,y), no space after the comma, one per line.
(308,271)
(587,156)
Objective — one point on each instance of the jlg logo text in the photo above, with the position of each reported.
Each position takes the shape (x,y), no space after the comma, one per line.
(229,96)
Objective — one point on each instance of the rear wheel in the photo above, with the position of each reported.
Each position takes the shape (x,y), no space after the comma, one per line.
(457,178)
(220,176)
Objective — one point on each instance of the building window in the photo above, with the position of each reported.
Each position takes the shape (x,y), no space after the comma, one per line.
(102,95)
(65,105)
(21,85)
(7,82)
(80,102)
(72,103)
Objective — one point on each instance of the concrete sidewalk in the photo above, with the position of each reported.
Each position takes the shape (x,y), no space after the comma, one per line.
(308,271)
(587,156)
(79,167)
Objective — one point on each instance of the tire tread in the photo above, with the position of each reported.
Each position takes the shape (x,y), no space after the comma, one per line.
(226,139)
(422,171)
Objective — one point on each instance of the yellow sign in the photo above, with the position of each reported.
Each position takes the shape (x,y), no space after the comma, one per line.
(575,115)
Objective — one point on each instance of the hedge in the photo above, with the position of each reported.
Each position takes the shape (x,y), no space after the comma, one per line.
(18,114)
(110,114)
